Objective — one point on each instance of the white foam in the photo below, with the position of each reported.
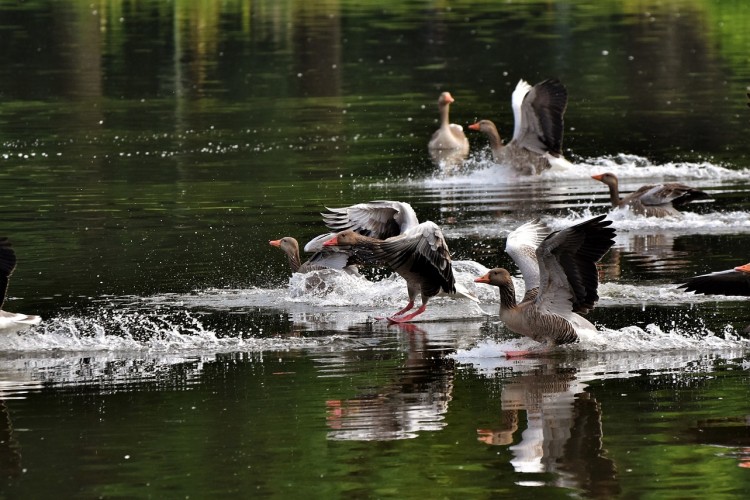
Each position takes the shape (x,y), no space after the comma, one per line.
(481,170)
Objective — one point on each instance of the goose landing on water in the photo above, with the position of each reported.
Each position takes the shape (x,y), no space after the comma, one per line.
(538,130)
(11,321)
(561,280)
(652,200)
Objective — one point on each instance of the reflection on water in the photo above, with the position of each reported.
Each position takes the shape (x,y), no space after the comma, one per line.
(415,400)
(563,430)
(149,151)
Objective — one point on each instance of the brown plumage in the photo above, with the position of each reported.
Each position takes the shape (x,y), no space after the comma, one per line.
(568,282)
(420,256)
(322,259)
(731,282)
(538,130)
(652,200)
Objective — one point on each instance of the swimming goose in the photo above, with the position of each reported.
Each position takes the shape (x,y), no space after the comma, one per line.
(419,255)
(731,282)
(568,281)
(538,130)
(652,200)
(323,258)
(10,320)
(450,135)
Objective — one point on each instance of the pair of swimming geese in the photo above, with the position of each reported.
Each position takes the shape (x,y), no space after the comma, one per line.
(536,146)
(559,268)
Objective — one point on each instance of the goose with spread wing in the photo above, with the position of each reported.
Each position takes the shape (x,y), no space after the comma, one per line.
(730,282)
(9,320)
(536,144)
(652,200)
(420,255)
(563,271)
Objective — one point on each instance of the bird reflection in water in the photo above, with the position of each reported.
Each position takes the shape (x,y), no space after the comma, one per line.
(732,433)
(415,399)
(563,432)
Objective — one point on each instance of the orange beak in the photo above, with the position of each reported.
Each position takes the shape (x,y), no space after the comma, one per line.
(275,243)
(483,279)
(332,242)
(597,177)
(743,269)
(474,126)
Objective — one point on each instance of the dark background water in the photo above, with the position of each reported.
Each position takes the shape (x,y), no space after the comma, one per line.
(154,148)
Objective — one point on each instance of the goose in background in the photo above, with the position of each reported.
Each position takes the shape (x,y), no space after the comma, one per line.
(652,200)
(448,143)
(730,282)
(536,144)
(566,285)
(9,320)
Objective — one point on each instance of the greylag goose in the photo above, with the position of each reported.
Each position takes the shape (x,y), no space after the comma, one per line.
(652,200)
(9,320)
(449,136)
(323,258)
(567,282)
(419,255)
(731,282)
(538,130)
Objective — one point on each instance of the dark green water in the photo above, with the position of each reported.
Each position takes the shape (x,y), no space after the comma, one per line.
(149,150)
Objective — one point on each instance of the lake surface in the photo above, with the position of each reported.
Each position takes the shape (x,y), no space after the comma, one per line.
(150,150)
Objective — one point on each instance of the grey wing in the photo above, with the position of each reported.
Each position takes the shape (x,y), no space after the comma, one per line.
(567,264)
(672,192)
(719,283)
(422,252)
(542,114)
(7,265)
(521,245)
(328,260)
(377,219)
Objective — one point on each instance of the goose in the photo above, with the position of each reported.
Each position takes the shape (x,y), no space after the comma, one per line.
(652,200)
(323,258)
(9,320)
(536,144)
(449,136)
(566,284)
(730,282)
(420,255)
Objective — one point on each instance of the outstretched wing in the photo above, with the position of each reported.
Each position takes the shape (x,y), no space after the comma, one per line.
(422,255)
(377,219)
(731,282)
(521,245)
(542,111)
(567,265)
(672,192)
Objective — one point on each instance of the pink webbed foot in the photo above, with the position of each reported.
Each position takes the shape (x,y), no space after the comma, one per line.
(399,313)
(403,319)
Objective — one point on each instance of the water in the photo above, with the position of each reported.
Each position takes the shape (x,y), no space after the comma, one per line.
(149,152)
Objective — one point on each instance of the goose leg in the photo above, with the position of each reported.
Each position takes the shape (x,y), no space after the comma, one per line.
(399,313)
(402,319)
